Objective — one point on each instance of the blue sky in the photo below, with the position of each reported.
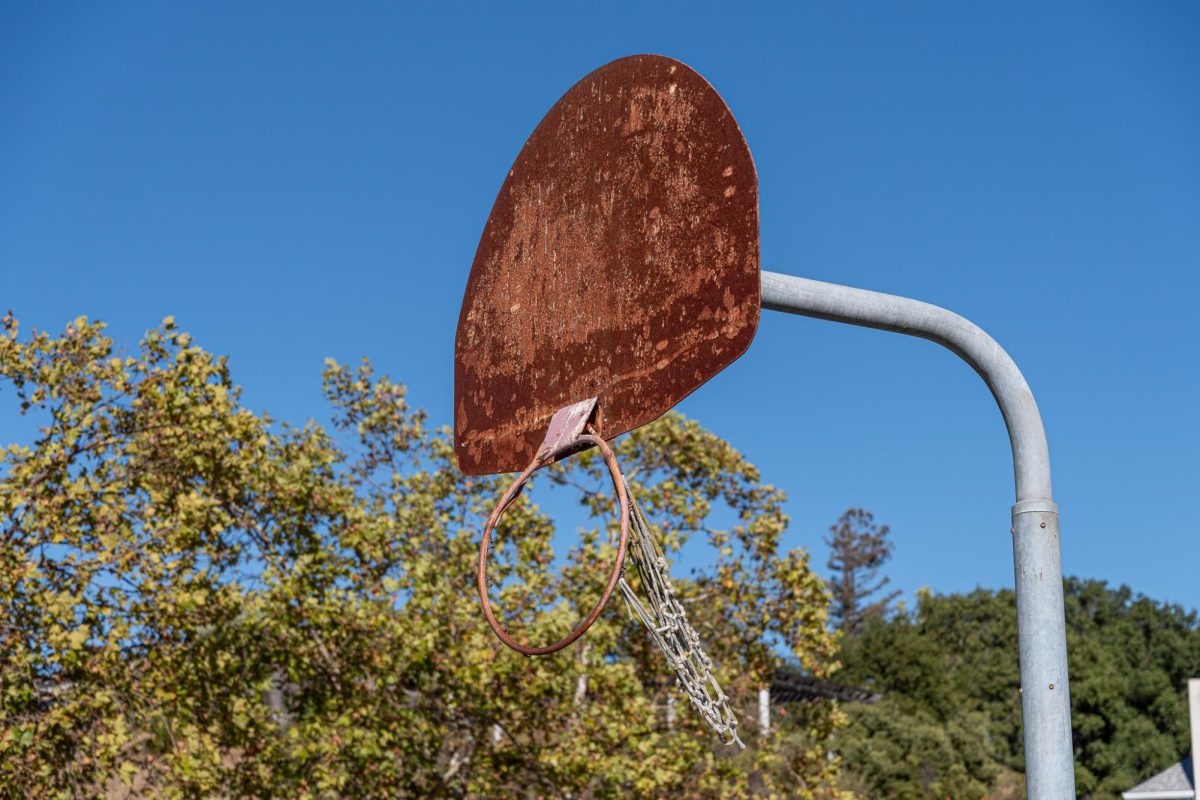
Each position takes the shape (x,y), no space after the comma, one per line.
(296,181)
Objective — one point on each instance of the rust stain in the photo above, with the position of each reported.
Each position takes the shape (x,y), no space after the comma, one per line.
(620,261)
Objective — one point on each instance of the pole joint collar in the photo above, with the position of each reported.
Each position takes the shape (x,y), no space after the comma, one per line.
(1034,506)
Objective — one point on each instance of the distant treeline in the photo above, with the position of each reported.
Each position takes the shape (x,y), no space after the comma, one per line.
(949,721)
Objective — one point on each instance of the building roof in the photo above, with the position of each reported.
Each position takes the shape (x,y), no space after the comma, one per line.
(1176,782)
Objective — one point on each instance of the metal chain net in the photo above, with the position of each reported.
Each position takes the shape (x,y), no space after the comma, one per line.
(668,625)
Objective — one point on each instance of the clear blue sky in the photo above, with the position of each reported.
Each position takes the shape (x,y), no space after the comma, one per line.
(296,181)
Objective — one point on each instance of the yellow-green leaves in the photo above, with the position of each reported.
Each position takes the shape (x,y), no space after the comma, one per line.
(78,637)
(195,600)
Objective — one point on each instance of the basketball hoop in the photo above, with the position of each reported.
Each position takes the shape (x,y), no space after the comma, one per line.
(571,431)
(620,262)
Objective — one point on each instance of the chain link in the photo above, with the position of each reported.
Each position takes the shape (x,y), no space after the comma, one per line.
(667,622)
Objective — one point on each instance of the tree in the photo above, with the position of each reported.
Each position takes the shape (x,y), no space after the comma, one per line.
(1130,659)
(947,675)
(909,754)
(953,664)
(168,557)
(858,548)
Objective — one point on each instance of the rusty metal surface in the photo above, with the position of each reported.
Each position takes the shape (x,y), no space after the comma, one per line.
(620,261)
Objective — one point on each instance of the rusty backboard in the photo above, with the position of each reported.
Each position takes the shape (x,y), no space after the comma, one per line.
(620,261)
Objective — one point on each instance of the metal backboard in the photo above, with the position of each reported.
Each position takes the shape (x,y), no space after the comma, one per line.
(620,261)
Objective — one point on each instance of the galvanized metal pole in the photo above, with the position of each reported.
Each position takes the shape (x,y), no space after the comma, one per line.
(1041,629)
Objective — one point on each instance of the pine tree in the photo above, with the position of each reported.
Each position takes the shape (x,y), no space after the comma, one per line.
(858,548)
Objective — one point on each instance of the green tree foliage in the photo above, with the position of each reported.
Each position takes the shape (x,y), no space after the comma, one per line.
(1130,660)
(858,549)
(910,754)
(168,557)
(949,723)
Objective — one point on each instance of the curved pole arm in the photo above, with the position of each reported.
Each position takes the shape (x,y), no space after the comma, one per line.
(1041,628)
(1031,456)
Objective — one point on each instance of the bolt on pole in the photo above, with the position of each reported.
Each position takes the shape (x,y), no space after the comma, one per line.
(1041,627)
